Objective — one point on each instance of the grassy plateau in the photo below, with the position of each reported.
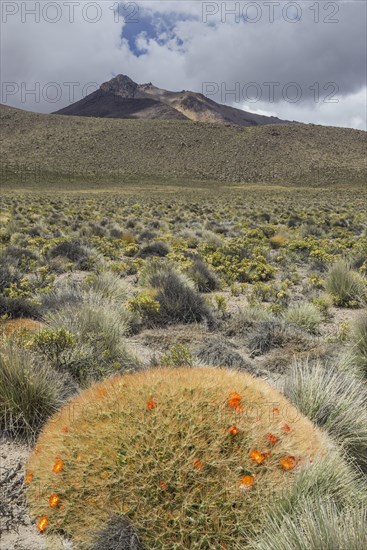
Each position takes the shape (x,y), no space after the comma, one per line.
(183,355)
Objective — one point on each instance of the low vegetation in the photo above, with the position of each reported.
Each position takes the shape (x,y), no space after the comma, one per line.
(152,308)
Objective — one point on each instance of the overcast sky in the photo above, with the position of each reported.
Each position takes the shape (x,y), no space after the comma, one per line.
(303,60)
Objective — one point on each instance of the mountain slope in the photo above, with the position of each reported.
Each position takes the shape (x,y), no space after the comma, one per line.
(52,148)
(121,97)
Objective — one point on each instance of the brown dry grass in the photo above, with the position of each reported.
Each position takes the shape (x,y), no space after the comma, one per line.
(19,327)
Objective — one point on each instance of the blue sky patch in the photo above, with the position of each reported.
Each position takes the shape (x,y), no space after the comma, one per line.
(154,26)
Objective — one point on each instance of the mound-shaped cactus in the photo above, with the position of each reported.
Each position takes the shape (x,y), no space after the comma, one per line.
(192,458)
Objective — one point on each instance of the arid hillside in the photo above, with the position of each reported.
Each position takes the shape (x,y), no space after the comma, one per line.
(49,148)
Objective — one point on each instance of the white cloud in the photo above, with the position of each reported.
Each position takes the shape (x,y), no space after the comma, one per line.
(227,53)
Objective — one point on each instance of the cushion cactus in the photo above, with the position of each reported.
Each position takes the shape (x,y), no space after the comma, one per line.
(189,457)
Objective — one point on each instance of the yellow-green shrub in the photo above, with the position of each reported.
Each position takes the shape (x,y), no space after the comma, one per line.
(145,304)
(159,448)
(177,356)
(279,240)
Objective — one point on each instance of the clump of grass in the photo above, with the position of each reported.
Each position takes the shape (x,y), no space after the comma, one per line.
(9,274)
(219,353)
(108,286)
(178,301)
(347,287)
(335,400)
(359,342)
(305,316)
(326,490)
(205,279)
(30,392)
(182,459)
(274,333)
(247,318)
(63,295)
(157,248)
(76,251)
(117,535)
(97,328)
(16,308)
(318,524)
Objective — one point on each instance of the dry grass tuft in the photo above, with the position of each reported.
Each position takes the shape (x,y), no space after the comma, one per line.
(20,326)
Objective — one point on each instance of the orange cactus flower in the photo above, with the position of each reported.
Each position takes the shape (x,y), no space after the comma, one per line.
(28,477)
(197,464)
(163,485)
(54,500)
(37,450)
(286,428)
(246,482)
(151,404)
(256,456)
(272,438)
(42,523)
(288,462)
(65,429)
(234,400)
(276,410)
(58,466)
(233,430)
(266,454)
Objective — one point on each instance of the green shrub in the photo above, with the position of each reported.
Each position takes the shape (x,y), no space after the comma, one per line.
(336,401)
(323,304)
(30,391)
(347,288)
(305,316)
(146,306)
(54,345)
(8,274)
(178,355)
